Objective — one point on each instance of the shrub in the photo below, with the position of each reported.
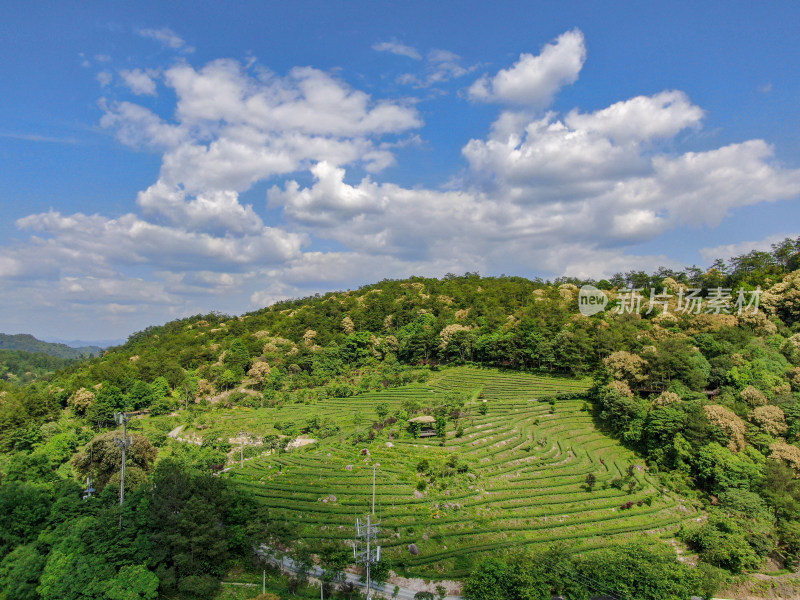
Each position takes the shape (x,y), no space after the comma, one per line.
(626,367)
(81,400)
(753,396)
(731,425)
(770,419)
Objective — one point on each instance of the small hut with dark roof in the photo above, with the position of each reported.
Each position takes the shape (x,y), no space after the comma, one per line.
(426,425)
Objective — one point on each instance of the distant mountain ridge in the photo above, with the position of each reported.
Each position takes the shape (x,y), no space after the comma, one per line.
(28,343)
(104,344)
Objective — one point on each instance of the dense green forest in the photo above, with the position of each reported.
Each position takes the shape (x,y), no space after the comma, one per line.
(707,393)
(23,367)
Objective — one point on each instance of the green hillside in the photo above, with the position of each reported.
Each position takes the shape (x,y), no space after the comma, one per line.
(21,366)
(28,343)
(564,436)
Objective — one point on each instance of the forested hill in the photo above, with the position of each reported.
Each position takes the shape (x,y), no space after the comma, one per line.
(695,371)
(22,367)
(28,343)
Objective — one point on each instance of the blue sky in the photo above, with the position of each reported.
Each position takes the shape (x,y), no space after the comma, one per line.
(165,159)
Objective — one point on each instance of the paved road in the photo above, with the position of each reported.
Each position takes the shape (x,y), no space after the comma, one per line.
(265,552)
(287,564)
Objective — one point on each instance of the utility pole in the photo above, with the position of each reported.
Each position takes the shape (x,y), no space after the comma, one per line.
(124,442)
(87,493)
(365,550)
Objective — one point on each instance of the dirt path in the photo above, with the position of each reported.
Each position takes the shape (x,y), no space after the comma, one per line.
(175,434)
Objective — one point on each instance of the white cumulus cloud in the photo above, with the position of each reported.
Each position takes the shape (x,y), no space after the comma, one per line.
(233,129)
(533,80)
(640,119)
(139,81)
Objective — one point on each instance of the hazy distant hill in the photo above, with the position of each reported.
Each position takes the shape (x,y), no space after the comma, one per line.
(104,344)
(28,343)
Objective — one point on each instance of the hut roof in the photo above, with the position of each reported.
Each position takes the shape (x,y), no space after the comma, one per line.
(423,419)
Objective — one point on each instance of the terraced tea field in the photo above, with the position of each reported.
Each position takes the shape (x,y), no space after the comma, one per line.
(516,475)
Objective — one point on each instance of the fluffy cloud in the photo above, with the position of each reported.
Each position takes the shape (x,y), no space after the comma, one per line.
(701,188)
(533,80)
(233,129)
(216,212)
(93,243)
(137,126)
(640,119)
(139,81)
(330,201)
(385,219)
(546,154)
(308,101)
(603,167)
(418,224)
(544,190)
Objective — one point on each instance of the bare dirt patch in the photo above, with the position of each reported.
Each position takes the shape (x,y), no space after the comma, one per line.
(420,585)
